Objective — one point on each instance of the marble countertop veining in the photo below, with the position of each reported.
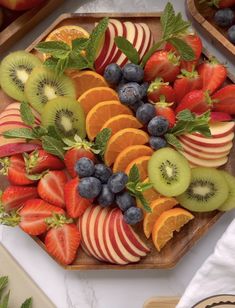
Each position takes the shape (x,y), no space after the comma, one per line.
(109,289)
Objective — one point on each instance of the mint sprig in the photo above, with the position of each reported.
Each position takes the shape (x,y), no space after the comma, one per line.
(26,114)
(128,49)
(101,141)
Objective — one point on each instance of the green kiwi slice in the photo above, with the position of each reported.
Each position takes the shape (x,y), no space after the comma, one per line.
(66,115)
(206,192)
(169,172)
(44,85)
(229,203)
(14,72)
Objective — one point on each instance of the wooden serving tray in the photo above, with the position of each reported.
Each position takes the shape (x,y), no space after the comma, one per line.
(25,22)
(203,15)
(193,231)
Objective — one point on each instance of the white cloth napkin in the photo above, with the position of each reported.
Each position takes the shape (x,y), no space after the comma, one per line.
(216,275)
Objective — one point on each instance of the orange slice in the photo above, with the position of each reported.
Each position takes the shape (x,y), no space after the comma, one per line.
(99,114)
(121,121)
(157,206)
(122,139)
(142,165)
(129,154)
(86,80)
(96,95)
(168,222)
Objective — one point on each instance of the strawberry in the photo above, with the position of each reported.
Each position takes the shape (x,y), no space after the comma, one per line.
(162,64)
(14,197)
(157,88)
(33,214)
(213,75)
(163,109)
(51,187)
(225,99)
(14,168)
(75,204)
(217,116)
(63,240)
(75,150)
(39,161)
(185,83)
(220,4)
(197,101)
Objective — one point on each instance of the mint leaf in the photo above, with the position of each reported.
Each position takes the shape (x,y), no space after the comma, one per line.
(78,62)
(134,175)
(172,140)
(39,131)
(79,44)
(144,202)
(26,114)
(25,133)
(167,19)
(4,303)
(52,132)
(180,25)
(101,140)
(3,283)
(185,115)
(57,49)
(61,65)
(28,303)
(51,63)
(95,40)
(53,146)
(128,49)
(185,51)
(146,186)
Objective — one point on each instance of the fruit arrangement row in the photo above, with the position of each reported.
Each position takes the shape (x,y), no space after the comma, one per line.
(89,157)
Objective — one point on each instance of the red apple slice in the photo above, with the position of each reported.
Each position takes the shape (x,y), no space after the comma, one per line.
(106,45)
(220,129)
(105,237)
(140,43)
(17,148)
(11,125)
(148,39)
(16,106)
(11,118)
(217,116)
(205,162)
(210,142)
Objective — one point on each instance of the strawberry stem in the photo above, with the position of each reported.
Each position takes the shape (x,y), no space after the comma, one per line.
(11,219)
(80,143)
(57,221)
(156,84)
(190,75)
(5,162)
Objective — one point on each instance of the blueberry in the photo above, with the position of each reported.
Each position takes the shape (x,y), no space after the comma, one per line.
(124,200)
(106,197)
(117,182)
(129,93)
(143,89)
(158,126)
(136,105)
(157,142)
(145,113)
(84,167)
(231,34)
(224,17)
(113,73)
(133,72)
(89,187)
(102,172)
(133,215)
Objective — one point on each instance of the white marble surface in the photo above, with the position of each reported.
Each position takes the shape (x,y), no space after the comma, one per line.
(108,289)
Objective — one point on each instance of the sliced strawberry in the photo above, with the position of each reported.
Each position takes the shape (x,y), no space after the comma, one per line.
(51,187)
(63,240)
(75,204)
(225,99)
(185,83)
(39,161)
(158,88)
(14,197)
(213,75)
(164,109)
(197,101)
(33,216)
(162,64)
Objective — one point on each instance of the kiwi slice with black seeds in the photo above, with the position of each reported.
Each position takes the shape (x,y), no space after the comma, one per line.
(14,72)
(66,115)
(44,85)
(229,203)
(169,172)
(207,191)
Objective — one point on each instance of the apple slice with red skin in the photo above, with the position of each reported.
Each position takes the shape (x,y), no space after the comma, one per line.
(214,163)
(11,125)
(218,116)
(148,39)
(11,119)
(14,113)
(220,129)
(210,142)
(17,148)
(103,51)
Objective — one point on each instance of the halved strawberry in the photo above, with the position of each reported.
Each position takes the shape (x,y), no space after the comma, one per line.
(63,240)
(164,109)
(225,99)
(51,187)
(33,214)
(39,161)
(185,83)
(157,88)
(75,204)
(213,75)
(162,64)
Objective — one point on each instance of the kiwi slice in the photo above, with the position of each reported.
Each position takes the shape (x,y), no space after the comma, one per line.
(44,85)
(169,172)
(206,192)
(229,203)
(14,72)
(66,115)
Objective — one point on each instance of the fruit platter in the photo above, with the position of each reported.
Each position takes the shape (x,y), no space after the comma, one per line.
(217,17)
(116,147)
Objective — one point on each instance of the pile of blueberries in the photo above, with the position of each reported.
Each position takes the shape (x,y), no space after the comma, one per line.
(99,183)
(225,18)
(132,92)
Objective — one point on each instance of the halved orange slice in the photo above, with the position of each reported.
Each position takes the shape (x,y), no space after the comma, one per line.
(99,114)
(142,165)
(122,139)
(168,222)
(96,95)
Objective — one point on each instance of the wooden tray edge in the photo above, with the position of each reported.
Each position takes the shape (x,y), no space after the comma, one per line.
(210,29)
